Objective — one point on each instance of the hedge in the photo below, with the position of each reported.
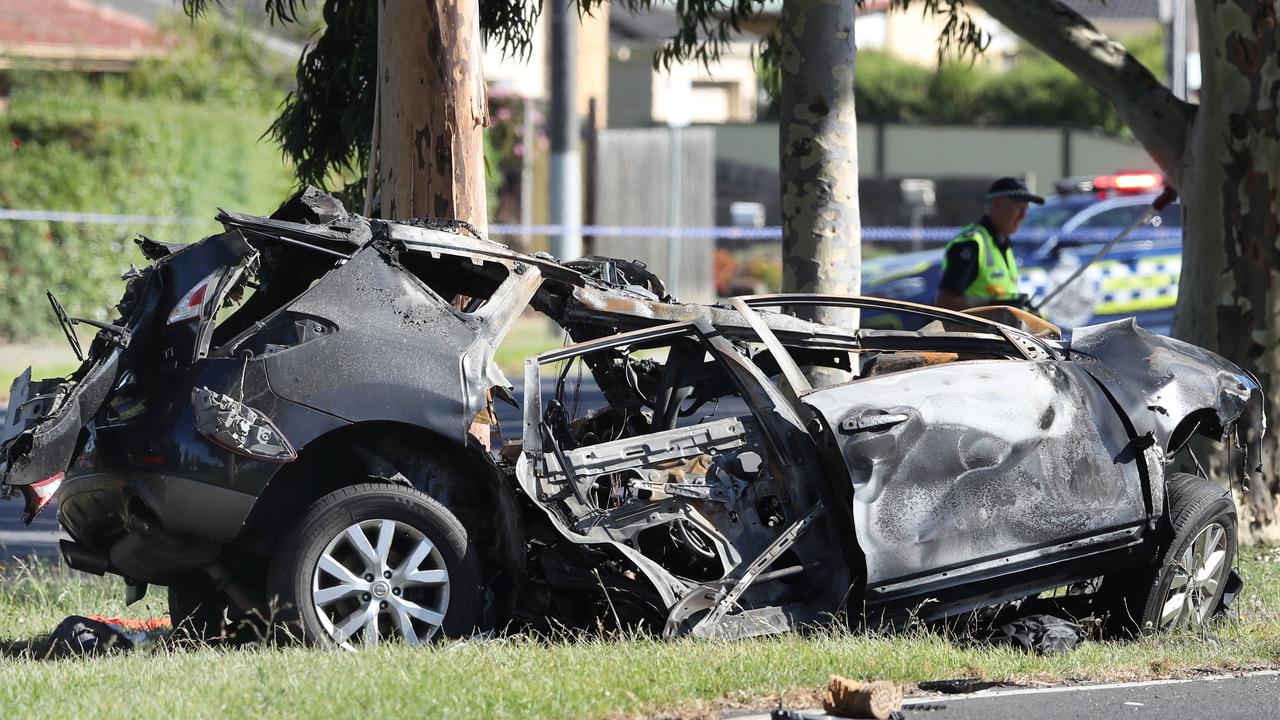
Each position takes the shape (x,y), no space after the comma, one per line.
(85,151)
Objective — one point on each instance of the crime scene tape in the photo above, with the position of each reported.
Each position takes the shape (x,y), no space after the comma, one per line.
(880,234)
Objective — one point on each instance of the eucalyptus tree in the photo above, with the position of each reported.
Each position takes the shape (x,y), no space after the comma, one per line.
(395,85)
(1222,153)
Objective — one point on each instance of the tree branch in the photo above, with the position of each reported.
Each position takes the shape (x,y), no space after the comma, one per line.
(285,11)
(1158,119)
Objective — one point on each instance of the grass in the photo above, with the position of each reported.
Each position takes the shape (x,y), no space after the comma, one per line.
(524,677)
(531,334)
(46,360)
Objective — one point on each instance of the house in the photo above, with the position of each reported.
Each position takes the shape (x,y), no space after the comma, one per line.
(912,34)
(689,92)
(71,35)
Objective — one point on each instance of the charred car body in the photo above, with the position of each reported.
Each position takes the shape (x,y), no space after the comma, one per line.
(279,422)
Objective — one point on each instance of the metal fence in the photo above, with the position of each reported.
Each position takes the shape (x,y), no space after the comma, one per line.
(659,184)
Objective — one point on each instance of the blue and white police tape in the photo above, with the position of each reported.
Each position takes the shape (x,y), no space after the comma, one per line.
(881,234)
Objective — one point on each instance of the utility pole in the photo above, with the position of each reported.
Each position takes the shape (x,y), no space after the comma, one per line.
(679,99)
(526,173)
(1174,15)
(566,165)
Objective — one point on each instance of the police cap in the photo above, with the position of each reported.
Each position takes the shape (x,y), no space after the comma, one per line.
(1012,187)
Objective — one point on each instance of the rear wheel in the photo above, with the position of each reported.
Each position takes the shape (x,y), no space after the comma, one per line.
(1189,581)
(376,562)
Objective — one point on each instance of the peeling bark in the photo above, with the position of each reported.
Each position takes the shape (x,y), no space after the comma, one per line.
(432,110)
(821,245)
(1232,199)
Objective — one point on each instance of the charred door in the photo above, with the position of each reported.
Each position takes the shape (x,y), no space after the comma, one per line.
(980,467)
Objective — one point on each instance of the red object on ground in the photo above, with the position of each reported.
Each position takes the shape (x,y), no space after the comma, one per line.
(160,623)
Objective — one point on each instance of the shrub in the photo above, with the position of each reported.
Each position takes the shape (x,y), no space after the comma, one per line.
(84,151)
(176,137)
(1035,91)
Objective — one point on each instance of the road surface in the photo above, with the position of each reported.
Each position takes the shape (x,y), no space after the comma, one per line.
(1231,697)
(40,538)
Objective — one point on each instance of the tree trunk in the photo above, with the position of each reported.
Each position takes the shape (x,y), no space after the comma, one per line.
(432,110)
(1231,195)
(818,144)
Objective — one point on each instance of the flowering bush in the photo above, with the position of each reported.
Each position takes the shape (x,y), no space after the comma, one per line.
(505,151)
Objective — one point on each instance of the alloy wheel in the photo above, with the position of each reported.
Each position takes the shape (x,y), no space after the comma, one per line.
(1197,574)
(380,579)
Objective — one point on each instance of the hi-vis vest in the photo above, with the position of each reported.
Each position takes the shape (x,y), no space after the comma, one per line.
(997,271)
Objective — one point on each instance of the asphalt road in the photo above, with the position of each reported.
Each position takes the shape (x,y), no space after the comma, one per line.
(1253,696)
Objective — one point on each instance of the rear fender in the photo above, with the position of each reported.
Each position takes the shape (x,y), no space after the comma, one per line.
(464,480)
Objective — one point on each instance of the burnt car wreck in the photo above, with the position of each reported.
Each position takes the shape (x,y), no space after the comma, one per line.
(279,424)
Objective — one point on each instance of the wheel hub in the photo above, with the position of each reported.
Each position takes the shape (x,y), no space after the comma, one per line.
(1199,572)
(380,579)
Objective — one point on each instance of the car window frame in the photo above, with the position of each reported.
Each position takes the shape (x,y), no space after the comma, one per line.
(1019,343)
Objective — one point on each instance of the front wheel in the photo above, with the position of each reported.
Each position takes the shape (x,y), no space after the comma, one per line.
(1194,565)
(376,562)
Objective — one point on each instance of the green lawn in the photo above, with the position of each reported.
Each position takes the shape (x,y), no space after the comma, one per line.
(522,677)
(531,334)
(49,359)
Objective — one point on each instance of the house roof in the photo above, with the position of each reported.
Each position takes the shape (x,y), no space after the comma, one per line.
(269,35)
(73,35)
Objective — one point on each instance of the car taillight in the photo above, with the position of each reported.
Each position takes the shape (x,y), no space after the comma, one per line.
(190,304)
(38,494)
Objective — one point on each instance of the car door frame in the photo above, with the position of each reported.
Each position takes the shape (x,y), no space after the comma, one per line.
(993,579)
(795,460)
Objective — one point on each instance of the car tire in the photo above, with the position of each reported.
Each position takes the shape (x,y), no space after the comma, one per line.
(374,562)
(1189,580)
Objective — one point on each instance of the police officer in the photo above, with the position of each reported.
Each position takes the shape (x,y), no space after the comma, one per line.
(978,268)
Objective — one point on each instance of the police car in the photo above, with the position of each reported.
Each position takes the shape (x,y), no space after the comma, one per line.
(1137,278)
